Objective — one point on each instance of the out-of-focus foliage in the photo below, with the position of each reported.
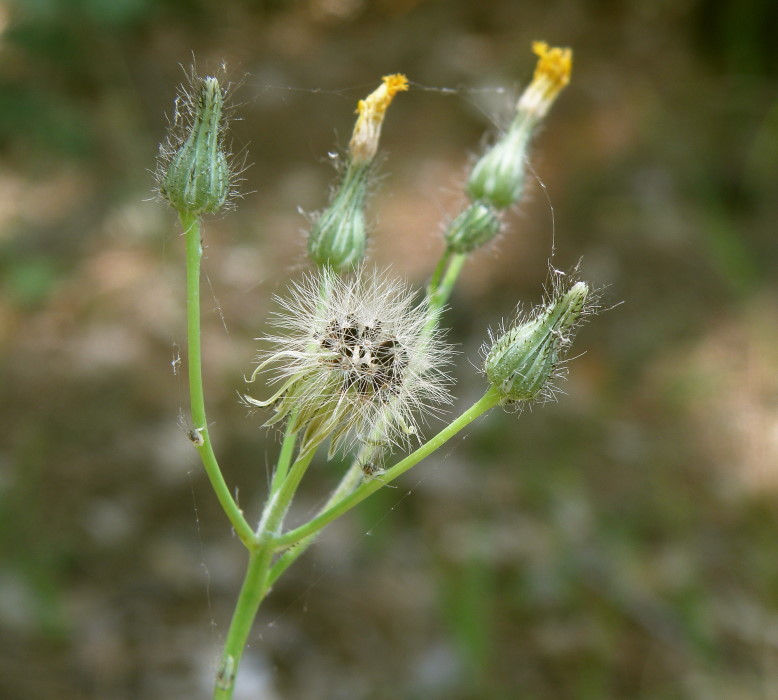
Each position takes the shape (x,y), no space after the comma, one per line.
(619,543)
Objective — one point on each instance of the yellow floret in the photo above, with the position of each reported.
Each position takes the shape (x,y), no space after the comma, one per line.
(555,64)
(552,73)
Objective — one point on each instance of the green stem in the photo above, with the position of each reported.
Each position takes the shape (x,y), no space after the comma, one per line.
(251,594)
(437,275)
(257,581)
(443,289)
(490,399)
(278,502)
(347,484)
(284,457)
(191,225)
(439,289)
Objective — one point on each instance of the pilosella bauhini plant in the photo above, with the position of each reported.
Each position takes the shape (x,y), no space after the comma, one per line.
(357,362)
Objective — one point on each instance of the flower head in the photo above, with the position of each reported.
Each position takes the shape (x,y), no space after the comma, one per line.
(338,236)
(371,110)
(353,356)
(522,361)
(498,176)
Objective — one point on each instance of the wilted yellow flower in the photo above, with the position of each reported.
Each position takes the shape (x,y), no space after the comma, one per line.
(497,178)
(371,110)
(551,75)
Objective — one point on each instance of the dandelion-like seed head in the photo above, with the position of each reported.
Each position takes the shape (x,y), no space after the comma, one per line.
(355,360)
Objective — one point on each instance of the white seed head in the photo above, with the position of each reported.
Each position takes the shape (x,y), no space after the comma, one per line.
(354,356)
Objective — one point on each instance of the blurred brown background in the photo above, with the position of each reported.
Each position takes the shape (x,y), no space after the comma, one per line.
(620,543)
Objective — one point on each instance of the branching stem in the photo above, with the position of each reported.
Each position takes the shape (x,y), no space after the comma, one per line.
(438,292)
(490,399)
(257,582)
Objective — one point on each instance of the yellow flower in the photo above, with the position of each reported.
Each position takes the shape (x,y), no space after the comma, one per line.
(371,110)
(551,75)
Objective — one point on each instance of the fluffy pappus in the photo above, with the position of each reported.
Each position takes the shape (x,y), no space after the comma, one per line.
(355,359)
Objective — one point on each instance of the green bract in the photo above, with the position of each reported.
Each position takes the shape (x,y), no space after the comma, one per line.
(498,177)
(339,235)
(474,227)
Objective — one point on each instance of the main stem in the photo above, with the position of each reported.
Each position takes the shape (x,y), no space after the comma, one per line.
(262,545)
(260,576)
(194,251)
(251,594)
(257,581)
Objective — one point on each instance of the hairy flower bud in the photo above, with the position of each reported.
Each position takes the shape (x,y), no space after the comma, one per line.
(474,227)
(195,175)
(521,362)
(339,234)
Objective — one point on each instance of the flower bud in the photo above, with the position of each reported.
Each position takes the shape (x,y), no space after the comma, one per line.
(339,234)
(522,361)
(197,177)
(474,227)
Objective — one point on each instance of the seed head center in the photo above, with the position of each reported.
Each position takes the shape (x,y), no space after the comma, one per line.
(371,358)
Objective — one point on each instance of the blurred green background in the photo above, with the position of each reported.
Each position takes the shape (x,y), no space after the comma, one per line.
(620,543)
